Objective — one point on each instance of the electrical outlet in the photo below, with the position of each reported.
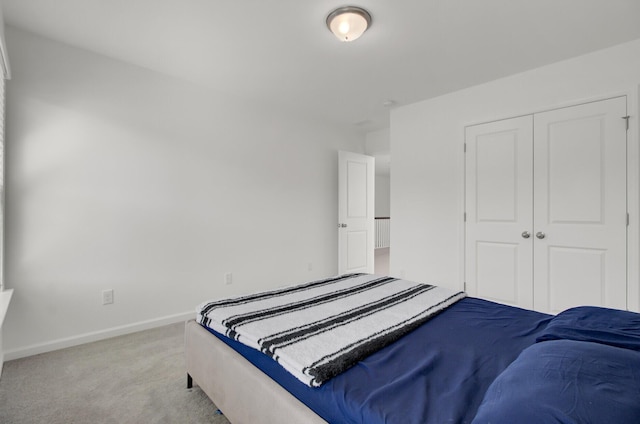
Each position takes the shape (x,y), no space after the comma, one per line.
(228,278)
(107,297)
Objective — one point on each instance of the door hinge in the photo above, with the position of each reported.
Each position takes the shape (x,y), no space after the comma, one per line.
(464,285)
(465,217)
(465,147)
(626,118)
(628,220)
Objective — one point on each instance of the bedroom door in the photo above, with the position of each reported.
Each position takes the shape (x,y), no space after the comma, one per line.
(356,233)
(499,203)
(550,187)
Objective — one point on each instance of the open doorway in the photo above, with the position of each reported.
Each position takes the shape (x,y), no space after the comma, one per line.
(382,250)
(378,146)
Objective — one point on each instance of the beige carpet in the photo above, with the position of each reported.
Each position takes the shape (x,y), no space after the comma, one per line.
(137,378)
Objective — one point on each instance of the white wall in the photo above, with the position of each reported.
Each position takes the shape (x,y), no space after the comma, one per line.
(383,196)
(428,161)
(121,178)
(377,142)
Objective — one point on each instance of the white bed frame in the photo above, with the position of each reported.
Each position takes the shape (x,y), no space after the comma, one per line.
(241,391)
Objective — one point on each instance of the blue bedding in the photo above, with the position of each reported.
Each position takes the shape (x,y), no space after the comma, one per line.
(566,382)
(438,373)
(585,368)
(612,327)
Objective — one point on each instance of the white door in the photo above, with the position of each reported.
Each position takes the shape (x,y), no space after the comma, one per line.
(356,220)
(580,193)
(499,205)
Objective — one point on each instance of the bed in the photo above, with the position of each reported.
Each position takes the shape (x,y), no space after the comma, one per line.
(475,361)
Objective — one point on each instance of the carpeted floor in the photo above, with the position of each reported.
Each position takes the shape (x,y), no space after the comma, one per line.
(137,378)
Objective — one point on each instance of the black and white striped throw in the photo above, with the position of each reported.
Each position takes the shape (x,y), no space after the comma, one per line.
(319,329)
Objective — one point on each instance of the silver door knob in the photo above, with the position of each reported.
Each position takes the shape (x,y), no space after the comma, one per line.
(526,234)
(540,235)
(342,225)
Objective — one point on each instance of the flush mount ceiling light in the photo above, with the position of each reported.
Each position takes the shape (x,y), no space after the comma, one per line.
(349,22)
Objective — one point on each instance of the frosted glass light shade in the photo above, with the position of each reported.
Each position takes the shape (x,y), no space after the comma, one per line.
(348,23)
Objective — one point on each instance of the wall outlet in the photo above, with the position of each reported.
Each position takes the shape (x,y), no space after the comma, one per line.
(107,297)
(228,278)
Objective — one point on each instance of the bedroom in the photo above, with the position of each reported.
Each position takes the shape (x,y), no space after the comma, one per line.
(101,196)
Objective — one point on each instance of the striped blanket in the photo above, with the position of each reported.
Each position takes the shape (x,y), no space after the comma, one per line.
(319,329)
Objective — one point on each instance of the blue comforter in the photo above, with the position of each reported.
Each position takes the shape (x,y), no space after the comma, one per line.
(436,374)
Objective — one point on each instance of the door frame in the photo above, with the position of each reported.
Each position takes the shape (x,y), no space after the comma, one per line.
(633,188)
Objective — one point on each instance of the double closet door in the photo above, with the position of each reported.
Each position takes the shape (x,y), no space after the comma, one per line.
(546,208)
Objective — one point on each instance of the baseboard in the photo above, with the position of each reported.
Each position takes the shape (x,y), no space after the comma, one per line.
(96,336)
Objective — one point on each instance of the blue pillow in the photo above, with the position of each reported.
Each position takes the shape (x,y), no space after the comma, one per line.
(568,382)
(611,327)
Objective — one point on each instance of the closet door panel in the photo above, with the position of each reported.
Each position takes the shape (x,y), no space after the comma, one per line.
(580,206)
(586,266)
(499,209)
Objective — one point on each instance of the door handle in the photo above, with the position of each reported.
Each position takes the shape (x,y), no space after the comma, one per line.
(526,234)
(540,235)
(342,225)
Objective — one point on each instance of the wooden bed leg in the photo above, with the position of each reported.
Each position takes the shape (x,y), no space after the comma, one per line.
(189,381)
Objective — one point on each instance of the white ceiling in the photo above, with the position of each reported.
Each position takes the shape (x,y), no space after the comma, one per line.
(280,52)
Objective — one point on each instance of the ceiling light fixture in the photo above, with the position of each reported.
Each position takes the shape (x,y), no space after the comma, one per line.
(349,22)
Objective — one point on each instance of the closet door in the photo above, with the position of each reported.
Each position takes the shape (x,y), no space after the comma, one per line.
(580,211)
(499,208)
